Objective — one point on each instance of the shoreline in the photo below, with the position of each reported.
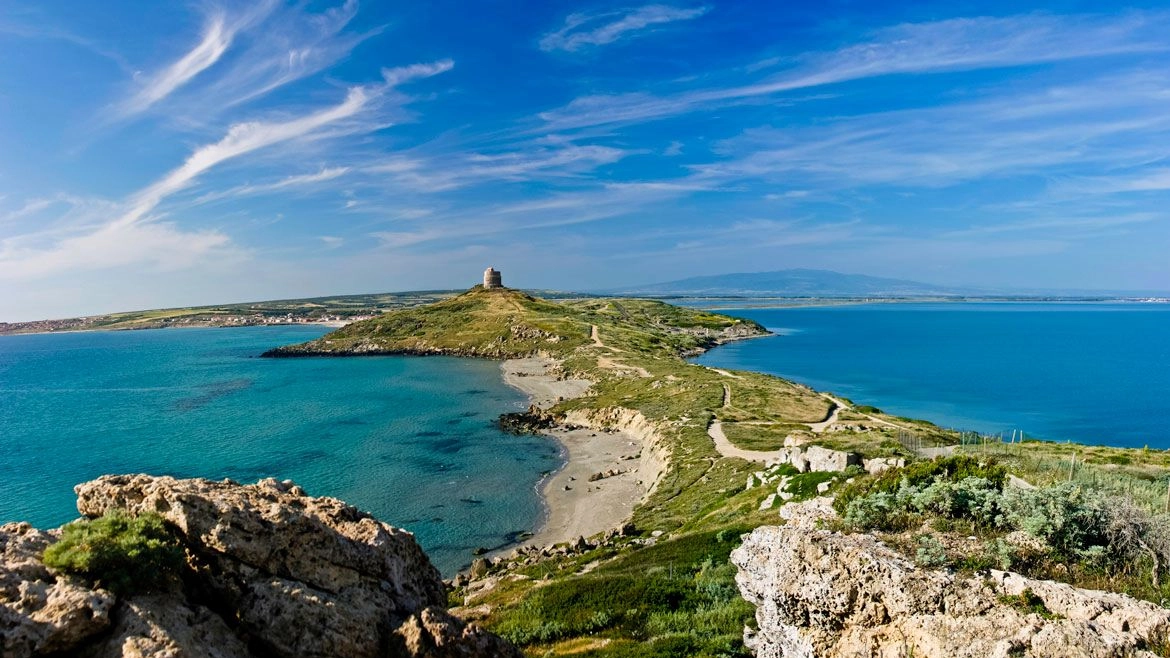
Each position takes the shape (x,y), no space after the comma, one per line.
(576,506)
(332,324)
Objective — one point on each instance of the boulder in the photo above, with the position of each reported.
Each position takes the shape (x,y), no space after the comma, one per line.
(831,595)
(270,572)
(42,612)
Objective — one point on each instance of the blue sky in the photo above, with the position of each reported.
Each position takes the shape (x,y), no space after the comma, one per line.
(161,154)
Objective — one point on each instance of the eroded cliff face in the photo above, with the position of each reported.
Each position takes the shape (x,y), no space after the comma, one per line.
(827,594)
(271,572)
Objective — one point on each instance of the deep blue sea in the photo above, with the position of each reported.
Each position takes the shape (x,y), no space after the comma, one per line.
(410,440)
(1089,373)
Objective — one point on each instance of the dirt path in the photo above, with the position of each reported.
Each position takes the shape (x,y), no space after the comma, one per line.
(825,424)
(723,372)
(596,336)
(728,449)
(726,396)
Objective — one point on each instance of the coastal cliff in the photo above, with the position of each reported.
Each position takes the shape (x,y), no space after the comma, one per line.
(268,572)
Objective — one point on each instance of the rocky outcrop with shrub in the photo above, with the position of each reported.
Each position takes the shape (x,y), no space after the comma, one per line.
(166,567)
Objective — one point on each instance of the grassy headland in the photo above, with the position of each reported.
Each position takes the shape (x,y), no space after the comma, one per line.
(663,586)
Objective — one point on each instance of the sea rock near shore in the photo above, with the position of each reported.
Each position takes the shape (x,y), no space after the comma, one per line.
(830,595)
(271,572)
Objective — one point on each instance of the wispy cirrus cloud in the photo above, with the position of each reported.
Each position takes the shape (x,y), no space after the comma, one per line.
(270,47)
(138,235)
(289,44)
(583,30)
(525,162)
(288,182)
(217,36)
(961,44)
(1011,134)
(241,139)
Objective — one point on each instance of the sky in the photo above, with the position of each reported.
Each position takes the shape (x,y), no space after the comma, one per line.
(170,154)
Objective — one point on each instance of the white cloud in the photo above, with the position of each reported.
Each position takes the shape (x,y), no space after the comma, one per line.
(295,181)
(30,207)
(440,173)
(1069,126)
(288,45)
(581,30)
(272,46)
(950,45)
(403,74)
(241,138)
(217,37)
(162,245)
(137,236)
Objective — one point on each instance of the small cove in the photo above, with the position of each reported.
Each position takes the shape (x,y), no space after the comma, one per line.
(411,440)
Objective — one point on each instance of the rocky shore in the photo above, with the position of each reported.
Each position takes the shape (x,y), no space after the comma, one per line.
(269,571)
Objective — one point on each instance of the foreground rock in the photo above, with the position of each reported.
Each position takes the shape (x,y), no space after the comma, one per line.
(827,594)
(271,572)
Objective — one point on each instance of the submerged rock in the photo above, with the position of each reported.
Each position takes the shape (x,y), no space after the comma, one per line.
(270,572)
(830,595)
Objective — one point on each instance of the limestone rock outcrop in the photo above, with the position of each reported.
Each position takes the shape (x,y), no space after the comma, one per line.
(40,612)
(827,594)
(271,572)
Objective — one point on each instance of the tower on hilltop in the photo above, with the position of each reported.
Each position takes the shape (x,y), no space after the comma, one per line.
(492,279)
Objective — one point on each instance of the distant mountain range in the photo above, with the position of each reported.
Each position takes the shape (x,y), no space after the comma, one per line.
(798,283)
(826,283)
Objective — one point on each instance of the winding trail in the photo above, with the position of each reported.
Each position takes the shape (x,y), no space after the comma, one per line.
(728,449)
(834,414)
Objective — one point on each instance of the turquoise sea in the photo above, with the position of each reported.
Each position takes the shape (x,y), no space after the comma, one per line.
(410,440)
(1088,372)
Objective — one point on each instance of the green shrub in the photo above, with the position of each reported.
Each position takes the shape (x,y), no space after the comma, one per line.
(125,554)
(947,468)
(930,553)
(973,498)
(1068,517)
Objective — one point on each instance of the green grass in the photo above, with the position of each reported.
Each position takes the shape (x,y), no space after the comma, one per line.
(676,598)
(762,437)
(1140,474)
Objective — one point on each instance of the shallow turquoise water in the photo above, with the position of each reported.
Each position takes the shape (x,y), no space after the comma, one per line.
(1090,373)
(411,440)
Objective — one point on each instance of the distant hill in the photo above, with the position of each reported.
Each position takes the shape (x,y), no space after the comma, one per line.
(798,283)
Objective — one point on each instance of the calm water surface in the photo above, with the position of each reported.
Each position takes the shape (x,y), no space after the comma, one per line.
(1091,373)
(411,440)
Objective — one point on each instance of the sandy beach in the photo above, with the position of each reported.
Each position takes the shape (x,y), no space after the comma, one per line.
(576,506)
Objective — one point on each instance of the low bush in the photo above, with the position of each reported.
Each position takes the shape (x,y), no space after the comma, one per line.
(945,468)
(125,554)
(1065,530)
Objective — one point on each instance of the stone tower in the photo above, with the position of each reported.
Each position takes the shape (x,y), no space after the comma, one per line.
(492,279)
